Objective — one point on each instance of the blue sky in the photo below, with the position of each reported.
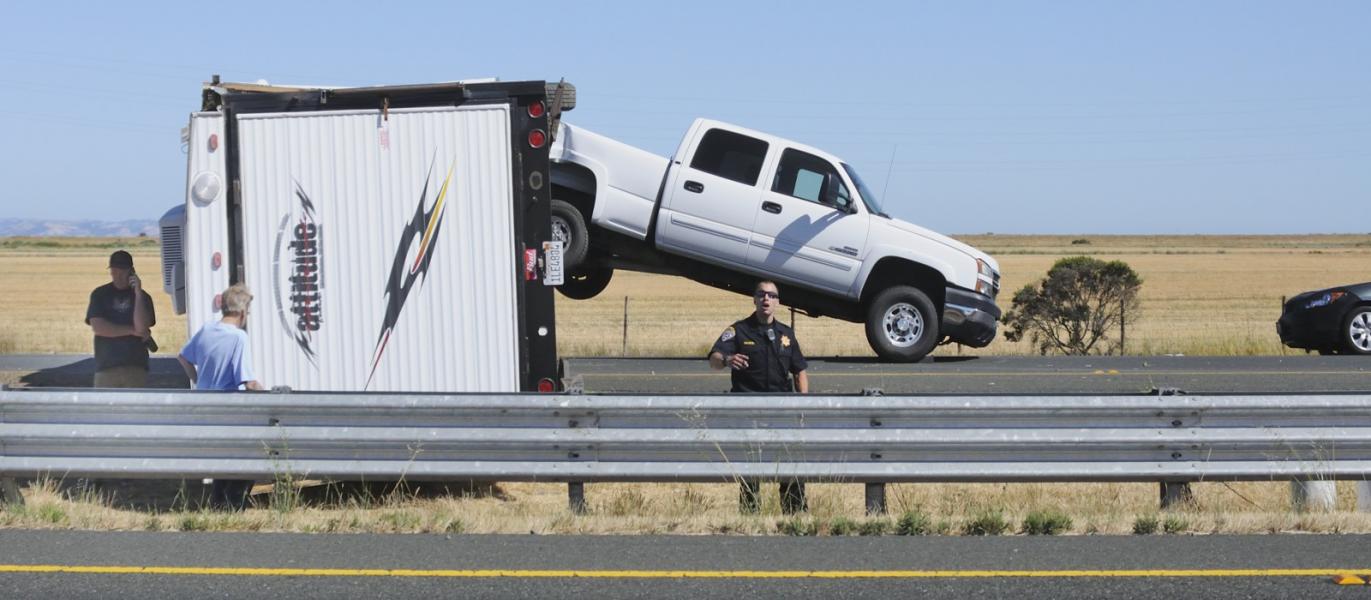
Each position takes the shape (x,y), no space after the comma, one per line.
(967,117)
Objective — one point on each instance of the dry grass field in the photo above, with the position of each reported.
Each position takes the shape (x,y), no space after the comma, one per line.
(1216,295)
(1201,295)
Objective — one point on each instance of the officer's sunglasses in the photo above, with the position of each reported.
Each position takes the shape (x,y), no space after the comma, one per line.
(771,295)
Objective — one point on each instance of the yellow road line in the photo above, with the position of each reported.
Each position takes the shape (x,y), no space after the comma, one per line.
(663,574)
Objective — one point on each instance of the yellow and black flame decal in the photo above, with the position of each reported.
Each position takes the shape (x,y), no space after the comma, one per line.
(426,225)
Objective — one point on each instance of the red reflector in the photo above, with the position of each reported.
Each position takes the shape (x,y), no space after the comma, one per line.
(536,109)
(537,138)
(545,386)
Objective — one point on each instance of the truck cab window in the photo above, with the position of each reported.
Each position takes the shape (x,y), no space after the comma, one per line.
(803,175)
(730,155)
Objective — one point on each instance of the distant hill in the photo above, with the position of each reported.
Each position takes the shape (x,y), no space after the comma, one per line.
(77,228)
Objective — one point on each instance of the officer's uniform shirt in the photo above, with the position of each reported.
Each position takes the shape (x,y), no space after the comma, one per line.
(772,351)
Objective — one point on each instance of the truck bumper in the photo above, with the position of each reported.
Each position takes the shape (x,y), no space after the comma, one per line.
(969,318)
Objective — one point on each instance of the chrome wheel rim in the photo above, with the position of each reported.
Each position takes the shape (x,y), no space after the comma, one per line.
(1359,332)
(903,325)
(561,231)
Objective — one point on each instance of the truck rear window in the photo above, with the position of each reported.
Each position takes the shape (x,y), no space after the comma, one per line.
(730,155)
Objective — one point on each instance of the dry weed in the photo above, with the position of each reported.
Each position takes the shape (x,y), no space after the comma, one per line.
(835,509)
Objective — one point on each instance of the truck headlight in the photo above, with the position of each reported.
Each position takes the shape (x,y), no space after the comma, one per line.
(986,279)
(983,268)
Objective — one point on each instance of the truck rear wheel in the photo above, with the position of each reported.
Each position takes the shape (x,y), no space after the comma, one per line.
(569,227)
(585,284)
(901,324)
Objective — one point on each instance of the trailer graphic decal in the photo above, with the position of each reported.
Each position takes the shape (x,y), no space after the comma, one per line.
(402,280)
(297,261)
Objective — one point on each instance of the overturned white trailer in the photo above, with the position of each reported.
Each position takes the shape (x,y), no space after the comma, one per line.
(395,238)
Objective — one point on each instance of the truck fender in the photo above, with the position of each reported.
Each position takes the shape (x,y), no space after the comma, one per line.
(880,254)
(576,172)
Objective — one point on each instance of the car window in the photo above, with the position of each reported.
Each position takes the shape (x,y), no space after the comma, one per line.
(804,176)
(730,155)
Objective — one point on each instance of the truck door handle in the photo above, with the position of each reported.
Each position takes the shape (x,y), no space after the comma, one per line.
(771,207)
(694,186)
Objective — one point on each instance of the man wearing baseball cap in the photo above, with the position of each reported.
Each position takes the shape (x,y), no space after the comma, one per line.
(121,316)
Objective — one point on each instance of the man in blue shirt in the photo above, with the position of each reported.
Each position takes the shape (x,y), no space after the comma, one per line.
(218,358)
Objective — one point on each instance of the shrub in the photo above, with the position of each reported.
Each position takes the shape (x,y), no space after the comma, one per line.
(990,522)
(874,527)
(842,526)
(1076,307)
(913,522)
(195,522)
(1175,524)
(1080,242)
(798,526)
(1145,525)
(1046,523)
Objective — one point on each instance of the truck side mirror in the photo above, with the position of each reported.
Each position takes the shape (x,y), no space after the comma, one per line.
(828,194)
(842,204)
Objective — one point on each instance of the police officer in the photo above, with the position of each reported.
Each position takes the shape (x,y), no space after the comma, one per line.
(763,355)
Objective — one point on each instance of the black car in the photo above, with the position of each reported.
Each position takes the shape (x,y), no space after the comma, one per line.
(1332,321)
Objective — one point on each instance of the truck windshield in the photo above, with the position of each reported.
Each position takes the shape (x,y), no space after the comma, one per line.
(868,197)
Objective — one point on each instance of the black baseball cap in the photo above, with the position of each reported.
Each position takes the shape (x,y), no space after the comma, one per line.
(121,259)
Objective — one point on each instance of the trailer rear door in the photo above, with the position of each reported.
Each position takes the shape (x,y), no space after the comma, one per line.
(380,249)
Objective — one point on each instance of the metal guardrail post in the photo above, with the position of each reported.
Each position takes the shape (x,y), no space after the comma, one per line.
(1313,496)
(793,497)
(1364,496)
(9,492)
(1176,493)
(576,497)
(875,498)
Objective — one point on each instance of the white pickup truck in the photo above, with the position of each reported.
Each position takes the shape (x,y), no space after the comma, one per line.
(734,205)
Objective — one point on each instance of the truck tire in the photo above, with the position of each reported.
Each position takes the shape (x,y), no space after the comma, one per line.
(1356,331)
(569,227)
(901,324)
(587,284)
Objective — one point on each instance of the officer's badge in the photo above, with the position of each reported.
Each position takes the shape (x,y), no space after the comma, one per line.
(727,335)
(785,341)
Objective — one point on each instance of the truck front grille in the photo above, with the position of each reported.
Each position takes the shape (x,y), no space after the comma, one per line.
(171,252)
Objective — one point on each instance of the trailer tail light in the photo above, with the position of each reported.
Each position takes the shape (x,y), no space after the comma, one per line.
(536,110)
(537,138)
(546,386)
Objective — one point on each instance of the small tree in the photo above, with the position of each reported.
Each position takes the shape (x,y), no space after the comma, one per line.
(1075,309)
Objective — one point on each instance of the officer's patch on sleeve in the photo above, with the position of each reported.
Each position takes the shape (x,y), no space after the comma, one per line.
(727,335)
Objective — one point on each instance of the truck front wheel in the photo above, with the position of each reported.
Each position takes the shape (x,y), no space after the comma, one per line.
(901,324)
(569,227)
(585,284)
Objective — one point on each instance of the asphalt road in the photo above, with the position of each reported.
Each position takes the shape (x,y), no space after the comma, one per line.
(673,567)
(1004,375)
(937,375)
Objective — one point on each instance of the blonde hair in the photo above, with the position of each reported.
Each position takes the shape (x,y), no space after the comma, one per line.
(235,300)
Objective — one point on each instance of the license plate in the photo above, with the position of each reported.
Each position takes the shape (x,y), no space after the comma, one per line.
(552,257)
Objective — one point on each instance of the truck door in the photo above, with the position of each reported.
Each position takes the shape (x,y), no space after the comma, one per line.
(712,202)
(808,228)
